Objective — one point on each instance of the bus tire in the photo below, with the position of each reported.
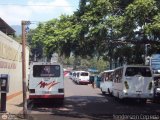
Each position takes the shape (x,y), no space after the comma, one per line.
(109,92)
(103,92)
(61,101)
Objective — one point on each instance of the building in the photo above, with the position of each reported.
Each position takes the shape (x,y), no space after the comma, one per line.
(5,28)
(11,59)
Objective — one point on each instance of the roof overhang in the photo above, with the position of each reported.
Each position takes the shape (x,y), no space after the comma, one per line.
(5,28)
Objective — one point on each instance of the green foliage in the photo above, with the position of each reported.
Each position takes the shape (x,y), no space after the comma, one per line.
(96,26)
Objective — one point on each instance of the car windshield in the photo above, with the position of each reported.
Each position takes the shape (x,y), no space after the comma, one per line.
(84,74)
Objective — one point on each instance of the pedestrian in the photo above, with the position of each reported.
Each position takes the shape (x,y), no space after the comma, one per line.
(92,81)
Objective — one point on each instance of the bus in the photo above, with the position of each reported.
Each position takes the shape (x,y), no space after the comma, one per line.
(133,81)
(46,81)
(106,81)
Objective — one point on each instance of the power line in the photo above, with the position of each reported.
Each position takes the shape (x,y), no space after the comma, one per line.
(34,5)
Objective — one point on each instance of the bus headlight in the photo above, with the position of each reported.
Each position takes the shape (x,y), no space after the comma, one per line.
(126,84)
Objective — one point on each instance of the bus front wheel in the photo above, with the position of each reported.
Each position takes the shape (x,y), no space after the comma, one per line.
(103,92)
(109,92)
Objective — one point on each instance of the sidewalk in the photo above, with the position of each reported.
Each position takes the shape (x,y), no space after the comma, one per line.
(15,105)
(14,108)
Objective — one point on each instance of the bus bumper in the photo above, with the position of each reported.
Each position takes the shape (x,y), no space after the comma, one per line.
(45,96)
(83,82)
(136,95)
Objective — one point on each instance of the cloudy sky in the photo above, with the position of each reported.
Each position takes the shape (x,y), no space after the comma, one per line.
(14,11)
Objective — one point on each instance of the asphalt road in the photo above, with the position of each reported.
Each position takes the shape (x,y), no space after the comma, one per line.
(82,102)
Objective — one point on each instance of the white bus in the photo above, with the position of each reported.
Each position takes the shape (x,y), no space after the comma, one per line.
(46,81)
(106,81)
(133,81)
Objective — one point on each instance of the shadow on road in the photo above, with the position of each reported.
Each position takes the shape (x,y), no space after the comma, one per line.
(102,107)
(98,108)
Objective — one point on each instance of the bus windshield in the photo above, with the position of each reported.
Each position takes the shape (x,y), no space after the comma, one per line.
(46,71)
(143,71)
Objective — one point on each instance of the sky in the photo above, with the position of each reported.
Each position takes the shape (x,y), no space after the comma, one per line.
(14,11)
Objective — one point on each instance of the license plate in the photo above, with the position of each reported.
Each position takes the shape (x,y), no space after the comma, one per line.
(46,92)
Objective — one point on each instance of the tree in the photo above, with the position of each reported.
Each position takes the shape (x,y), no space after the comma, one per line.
(103,28)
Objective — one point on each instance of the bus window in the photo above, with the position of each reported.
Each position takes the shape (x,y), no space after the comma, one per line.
(110,76)
(143,71)
(46,71)
(118,75)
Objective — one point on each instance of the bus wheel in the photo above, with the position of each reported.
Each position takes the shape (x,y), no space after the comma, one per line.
(61,101)
(109,92)
(103,92)
(156,100)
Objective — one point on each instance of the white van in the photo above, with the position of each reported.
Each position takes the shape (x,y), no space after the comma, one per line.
(46,80)
(106,81)
(82,77)
(133,81)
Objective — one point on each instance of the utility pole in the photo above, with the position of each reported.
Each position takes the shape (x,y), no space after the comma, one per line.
(24,23)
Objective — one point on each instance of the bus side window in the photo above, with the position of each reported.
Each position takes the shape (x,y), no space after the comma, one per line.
(111,77)
(120,75)
(117,76)
(116,80)
(106,77)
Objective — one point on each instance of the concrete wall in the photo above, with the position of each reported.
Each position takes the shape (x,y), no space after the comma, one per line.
(11,62)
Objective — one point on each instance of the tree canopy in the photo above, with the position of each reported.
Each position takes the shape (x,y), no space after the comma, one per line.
(113,29)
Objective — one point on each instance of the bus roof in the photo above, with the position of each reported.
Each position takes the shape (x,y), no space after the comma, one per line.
(44,63)
(108,71)
(136,65)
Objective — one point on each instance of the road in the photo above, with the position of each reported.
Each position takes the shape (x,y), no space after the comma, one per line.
(82,102)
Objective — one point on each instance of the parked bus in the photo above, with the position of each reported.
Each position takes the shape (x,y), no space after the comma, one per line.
(46,81)
(106,81)
(133,81)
